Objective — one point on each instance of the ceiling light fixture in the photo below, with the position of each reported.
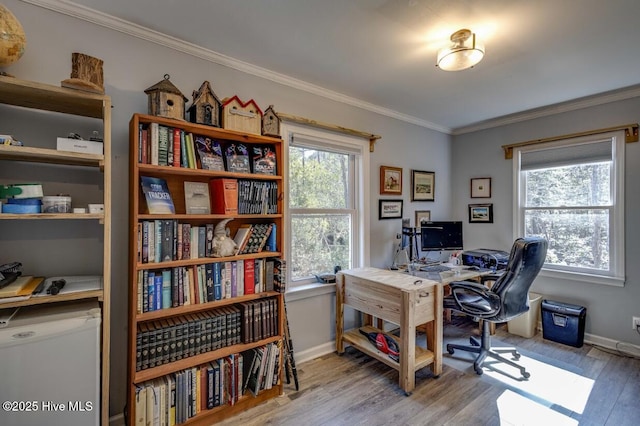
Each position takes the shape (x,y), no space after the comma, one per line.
(465,52)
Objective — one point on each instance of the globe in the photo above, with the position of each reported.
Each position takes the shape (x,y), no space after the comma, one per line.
(12,37)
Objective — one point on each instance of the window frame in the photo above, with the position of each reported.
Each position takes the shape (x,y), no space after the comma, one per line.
(616,274)
(331,141)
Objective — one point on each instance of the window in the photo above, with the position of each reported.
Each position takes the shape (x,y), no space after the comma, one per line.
(326,199)
(572,193)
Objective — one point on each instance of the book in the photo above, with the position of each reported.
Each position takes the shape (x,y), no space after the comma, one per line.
(157,195)
(224,196)
(210,153)
(237,158)
(196,198)
(263,159)
(163,145)
(279,275)
(242,236)
(23,286)
(153,146)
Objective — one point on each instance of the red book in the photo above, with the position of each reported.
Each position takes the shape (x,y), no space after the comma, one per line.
(224,196)
(176,147)
(249,278)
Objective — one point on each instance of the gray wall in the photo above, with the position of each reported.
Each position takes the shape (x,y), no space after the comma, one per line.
(479,154)
(132,65)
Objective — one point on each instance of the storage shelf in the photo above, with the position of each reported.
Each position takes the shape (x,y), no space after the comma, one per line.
(205,260)
(424,357)
(91,294)
(197,307)
(14,91)
(51,156)
(195,217)
(52,216)
(184,171)
(163,370)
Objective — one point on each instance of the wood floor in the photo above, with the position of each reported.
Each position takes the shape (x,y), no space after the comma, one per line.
(354,389)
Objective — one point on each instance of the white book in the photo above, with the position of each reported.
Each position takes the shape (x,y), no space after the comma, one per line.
(155,137)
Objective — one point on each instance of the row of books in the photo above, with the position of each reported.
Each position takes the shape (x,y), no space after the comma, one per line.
(168,340)
(166,240)
(168,146)
(220,196)
(175,398)
(188,285)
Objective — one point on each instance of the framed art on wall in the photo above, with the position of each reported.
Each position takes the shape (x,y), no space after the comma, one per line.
(390,209)
(422,216)
(481,188)
(423,185)
(480,213)
(390,180)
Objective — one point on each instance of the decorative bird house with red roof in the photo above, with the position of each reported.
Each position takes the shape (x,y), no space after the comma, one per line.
(241,116)
(205,108)
(165,100)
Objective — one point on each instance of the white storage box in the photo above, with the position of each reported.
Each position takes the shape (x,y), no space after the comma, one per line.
(51,357)
(79,145)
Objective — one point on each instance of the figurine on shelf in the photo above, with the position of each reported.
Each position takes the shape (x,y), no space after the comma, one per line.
(86,74)
(223,245)
(205,108)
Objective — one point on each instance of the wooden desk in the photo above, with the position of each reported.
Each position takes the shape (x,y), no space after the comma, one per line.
(401,299)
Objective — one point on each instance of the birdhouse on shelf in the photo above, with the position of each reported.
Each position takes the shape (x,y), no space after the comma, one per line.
(165,100)
(241,116)
(270,122)
(205,108)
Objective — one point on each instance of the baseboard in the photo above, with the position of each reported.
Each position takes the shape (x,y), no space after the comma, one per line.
(315,352)
(117,420)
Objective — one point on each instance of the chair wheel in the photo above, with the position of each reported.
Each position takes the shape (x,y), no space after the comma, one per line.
(450,349)
(478,370)
(526,374)
(516,356)
(473,341)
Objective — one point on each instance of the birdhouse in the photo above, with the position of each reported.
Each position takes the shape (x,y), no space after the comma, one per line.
(241,116)
(165,100)
(205,108)
(270,122)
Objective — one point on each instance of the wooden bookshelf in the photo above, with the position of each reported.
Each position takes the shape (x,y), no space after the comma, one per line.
(175,176)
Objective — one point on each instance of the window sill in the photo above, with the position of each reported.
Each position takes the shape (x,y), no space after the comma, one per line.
(309,290)
(589,278)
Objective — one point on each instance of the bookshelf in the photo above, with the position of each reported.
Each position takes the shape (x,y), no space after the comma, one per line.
(253,314)
(87,179)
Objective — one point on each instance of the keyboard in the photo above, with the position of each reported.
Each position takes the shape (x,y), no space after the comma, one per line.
(435,268)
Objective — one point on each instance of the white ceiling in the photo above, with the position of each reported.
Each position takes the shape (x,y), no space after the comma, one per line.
(381,53)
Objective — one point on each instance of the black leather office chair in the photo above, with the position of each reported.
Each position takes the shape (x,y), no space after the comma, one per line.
(508,298)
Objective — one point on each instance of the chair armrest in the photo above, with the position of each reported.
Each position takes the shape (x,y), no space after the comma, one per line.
(467,288)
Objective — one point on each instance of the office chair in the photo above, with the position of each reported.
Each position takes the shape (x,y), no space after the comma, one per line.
(508,298)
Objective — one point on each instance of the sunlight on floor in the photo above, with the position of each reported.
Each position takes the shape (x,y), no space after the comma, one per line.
(547,385)
(515,409)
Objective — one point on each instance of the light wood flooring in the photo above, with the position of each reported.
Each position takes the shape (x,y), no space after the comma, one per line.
(353,389)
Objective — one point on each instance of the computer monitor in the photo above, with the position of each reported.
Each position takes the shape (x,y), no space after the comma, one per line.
(443,235)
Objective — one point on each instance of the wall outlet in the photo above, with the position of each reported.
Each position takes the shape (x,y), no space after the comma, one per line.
(635,323)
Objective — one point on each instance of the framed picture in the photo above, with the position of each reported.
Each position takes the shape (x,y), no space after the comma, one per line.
(390,209)
(480,213)
(423,185)
(422,216)
(481,188)
(390,180)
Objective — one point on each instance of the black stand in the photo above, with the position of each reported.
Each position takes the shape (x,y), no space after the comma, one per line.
(289,361)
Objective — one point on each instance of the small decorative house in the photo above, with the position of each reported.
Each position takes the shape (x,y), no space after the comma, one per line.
(165,100)
(270,122)
(205,108)
(241,116)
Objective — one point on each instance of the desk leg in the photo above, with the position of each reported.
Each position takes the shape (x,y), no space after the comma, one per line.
(407,371)
(434,333)
(339,313)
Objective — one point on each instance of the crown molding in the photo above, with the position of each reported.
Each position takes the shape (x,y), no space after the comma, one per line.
(586,102)
(84,13)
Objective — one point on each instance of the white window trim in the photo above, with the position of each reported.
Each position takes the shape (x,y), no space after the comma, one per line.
(617,232)
(331,139)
